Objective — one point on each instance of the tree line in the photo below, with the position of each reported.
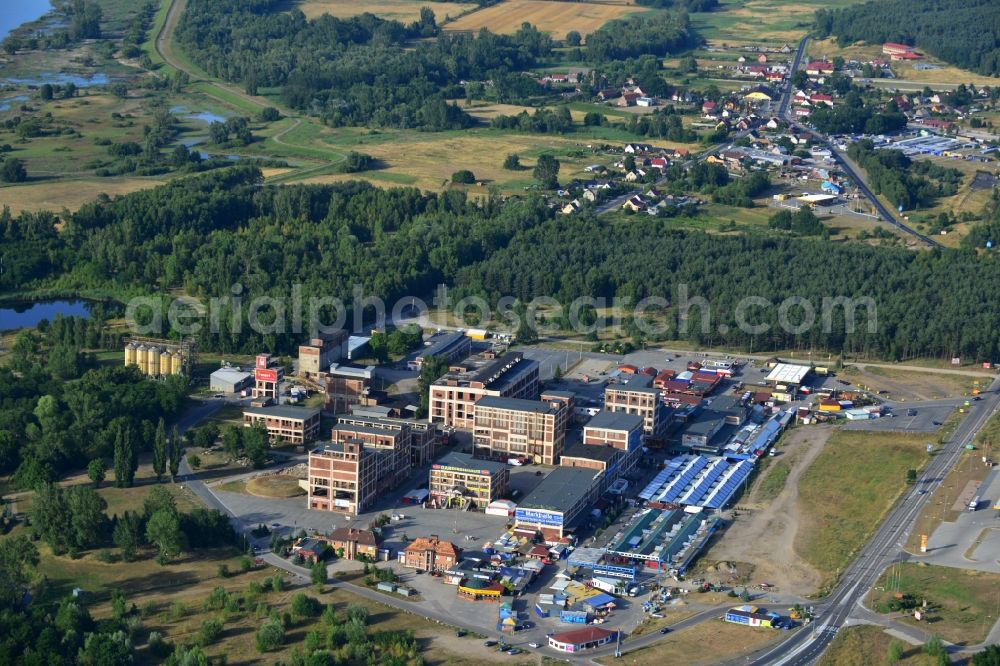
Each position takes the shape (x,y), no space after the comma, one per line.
(961,32)
(906,183)
(944,310)
(205,233)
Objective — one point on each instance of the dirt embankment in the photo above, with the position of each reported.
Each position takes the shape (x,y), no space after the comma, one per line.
(764,532)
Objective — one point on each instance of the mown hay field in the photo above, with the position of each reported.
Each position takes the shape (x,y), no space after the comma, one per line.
(555,18)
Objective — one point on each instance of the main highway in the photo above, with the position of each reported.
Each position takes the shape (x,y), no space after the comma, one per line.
(784,111)
(882,550)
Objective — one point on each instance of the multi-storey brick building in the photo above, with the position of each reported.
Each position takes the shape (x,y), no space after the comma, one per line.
(297,425)
(620,430)
(511,427)
(347,386)
(453,397)
(638,396)
(457,479)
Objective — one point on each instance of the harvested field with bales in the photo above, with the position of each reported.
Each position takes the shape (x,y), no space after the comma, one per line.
(404,11)
(555,18)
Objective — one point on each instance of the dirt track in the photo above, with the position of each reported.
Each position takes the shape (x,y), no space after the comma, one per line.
(763,535)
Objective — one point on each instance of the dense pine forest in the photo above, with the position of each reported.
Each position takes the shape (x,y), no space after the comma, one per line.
(205,233)
(965,33)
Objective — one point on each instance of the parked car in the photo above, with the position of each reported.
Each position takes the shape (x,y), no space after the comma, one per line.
(490,643)
(514,651)
(911,412)
(535,645)
(460,632)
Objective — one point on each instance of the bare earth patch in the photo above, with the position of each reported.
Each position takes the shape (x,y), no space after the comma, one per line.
(764,535)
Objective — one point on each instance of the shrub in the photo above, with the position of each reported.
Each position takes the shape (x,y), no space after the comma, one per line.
(464,177)
(223,571)
(157,645)
(269,637)
(305,606)
(210,631)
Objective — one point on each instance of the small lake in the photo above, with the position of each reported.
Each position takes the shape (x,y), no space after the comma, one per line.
(10,102)
(18,12)
(60,79)
(27,315)
(206,117)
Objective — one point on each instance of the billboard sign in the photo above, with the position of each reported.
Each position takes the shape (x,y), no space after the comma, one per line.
(539,517)
(266,375)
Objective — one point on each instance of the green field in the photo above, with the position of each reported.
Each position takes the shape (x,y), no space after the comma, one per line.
(962,603)
(866,645)
(835,522)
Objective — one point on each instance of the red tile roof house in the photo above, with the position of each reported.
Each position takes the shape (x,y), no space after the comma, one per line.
(431,554)
(709,107)
(820,98)
(896,49)
(819,68)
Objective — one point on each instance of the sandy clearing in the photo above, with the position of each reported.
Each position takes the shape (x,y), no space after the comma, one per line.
(764,534)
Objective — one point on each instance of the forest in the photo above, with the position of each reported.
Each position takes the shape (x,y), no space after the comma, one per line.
(906,183)
(207,232)
(934,303)
(962,32)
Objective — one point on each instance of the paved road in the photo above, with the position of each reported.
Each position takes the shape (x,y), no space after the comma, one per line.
(883,549)
(855,174)
(786,96)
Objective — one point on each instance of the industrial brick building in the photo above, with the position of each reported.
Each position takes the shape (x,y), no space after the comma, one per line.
(620,430)
(347,386)
(317,355)
(268,376)
(606,459)
(638,396)
(297,425)
(453,397)
(458,480)
(448,346)
(560,502)
(347,477)
(512,427)
(366,458)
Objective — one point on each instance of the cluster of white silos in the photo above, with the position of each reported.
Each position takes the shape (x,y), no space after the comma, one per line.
(154,360)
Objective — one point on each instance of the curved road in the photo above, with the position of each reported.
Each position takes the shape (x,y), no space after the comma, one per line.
(855,174)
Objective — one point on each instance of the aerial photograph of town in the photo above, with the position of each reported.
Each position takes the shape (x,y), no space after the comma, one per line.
(460,332)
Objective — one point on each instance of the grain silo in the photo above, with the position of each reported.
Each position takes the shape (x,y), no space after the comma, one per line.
(140,358)
(177,363)
(130,354)
(166,358)
(153,361)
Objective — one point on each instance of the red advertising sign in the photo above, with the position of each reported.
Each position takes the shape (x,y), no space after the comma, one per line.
(266,375)
(262,360)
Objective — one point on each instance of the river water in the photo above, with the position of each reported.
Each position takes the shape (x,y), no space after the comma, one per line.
(15,12)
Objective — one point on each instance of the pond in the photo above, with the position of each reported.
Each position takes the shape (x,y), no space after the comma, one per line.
(27,315)
(60,79)
(7,104)
(18,12)
(206,117)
